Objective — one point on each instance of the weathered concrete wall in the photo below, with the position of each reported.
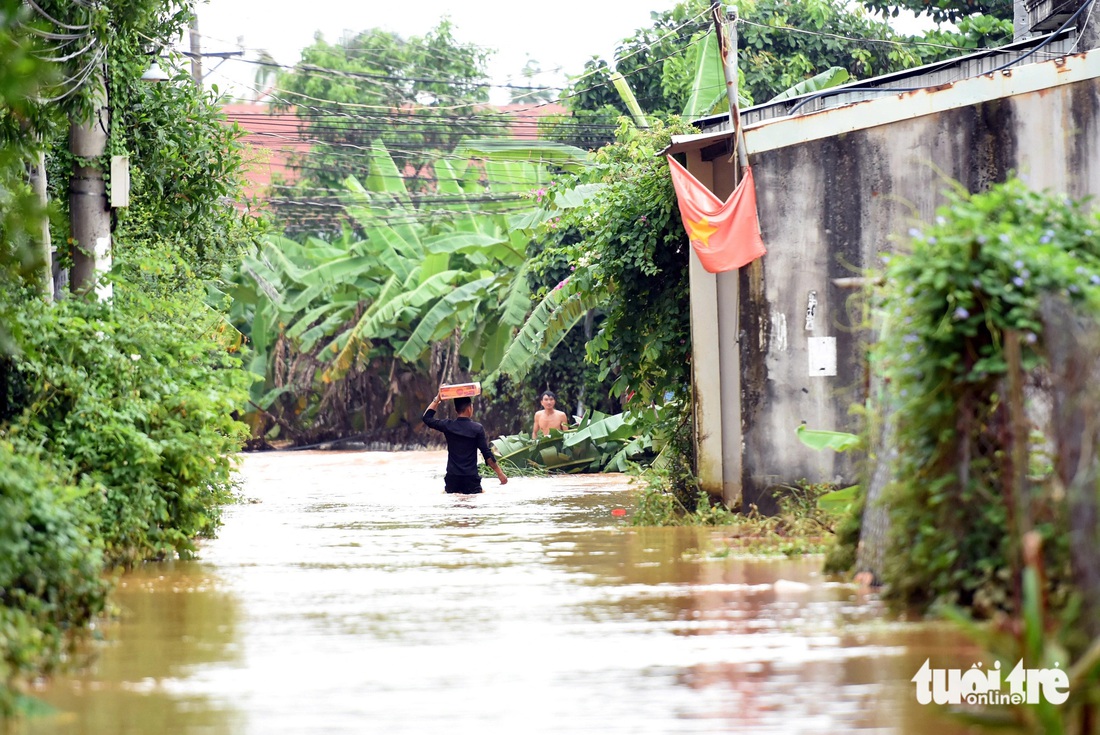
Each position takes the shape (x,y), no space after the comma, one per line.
(836,190)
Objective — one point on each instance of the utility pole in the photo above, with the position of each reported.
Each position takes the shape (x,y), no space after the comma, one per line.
(89,213)
(44,277)
(196,48)
(727,49)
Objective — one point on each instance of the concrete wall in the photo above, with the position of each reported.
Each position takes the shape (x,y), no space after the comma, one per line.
(835,190)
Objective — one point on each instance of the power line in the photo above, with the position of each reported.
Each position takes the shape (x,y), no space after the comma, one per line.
(312,69)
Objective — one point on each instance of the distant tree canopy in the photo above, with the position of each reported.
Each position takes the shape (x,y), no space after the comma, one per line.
(528,91)
(419,95)
(780,43)
(944,10)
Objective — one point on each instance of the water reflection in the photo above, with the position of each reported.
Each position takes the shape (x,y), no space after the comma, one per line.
(357,597)
(171,621)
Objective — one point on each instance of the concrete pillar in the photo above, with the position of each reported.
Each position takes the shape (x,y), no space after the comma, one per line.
(716,367)
(706,380)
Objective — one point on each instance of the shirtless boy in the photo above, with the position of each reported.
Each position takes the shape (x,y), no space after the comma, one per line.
(549,417)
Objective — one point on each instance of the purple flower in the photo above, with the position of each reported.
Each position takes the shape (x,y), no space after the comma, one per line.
(1019,282)
(961,313)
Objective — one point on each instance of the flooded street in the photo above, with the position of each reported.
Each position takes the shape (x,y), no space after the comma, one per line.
(353,596)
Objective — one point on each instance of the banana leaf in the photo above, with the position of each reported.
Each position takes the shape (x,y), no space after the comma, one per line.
(708,84)
(831,77)
(427,329)
(549,323)
(454,242)
(507,149)
(631,102)
(838,500)
(838,441)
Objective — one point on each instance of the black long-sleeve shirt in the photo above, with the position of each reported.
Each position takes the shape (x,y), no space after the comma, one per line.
(465,437)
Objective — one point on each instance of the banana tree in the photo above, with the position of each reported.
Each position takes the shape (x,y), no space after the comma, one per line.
(480,247)
(317,311)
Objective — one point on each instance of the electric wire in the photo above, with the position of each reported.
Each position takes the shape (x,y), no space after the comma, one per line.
(313,69)
(78,79)
(1049,38)
(1088,19)
(852,39)
(323,114)
(38,9)
(946,63)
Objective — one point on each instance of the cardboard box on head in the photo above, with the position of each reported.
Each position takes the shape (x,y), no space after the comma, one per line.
(460,390)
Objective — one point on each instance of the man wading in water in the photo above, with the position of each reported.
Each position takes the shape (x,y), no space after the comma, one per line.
(464,438)
(549,417)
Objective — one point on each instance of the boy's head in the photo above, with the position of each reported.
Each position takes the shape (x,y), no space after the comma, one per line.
(464,406)
(548,400)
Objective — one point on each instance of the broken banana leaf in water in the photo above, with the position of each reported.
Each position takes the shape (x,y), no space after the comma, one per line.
(599,443)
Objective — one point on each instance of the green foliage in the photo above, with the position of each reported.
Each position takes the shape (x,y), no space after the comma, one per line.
(418,297)
(773,57)
(831,77)
(134,402)
(841,554)
(617,228)
(186,167)
(944,10)
(801,526)
(50,585)
(708,84)
(641,60)
(115,419)
(838,441)
(599,443)
(974,274)
(21,120)
(971,34)
(422,94)
(661,62)
(1038,639)
(631,246)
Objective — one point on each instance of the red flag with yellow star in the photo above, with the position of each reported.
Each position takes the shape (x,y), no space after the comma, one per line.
(725,235)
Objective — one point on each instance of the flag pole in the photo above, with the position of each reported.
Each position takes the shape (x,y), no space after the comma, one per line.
(727,49)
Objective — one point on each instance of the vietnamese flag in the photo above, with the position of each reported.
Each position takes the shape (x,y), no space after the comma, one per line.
(725,235)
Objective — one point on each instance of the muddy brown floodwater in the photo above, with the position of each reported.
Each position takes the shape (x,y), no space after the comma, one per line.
(353,596)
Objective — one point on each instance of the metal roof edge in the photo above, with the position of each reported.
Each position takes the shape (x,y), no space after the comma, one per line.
(885,80)
(793,129)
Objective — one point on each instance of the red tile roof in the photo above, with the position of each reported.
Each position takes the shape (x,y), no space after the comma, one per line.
(271,139)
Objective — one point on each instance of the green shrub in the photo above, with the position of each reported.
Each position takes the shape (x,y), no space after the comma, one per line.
(974,275)
(50,585)
(135,401)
